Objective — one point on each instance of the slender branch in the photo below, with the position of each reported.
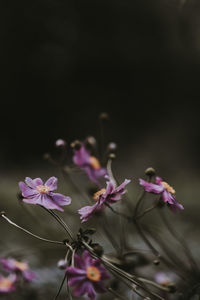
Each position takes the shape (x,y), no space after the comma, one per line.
(60,288)
(28,232)
(116,294)
(60,221)
(179,239)
(147,211)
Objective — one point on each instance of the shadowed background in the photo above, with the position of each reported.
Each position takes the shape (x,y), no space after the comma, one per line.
(62,63)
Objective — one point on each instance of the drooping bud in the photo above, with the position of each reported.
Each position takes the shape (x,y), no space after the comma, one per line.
(156,262)
(112,147)
(112,156)
(46,156)
(104,116)
(76,145)
(62,264)
(91,141)
(98,250)
(60,143)
(150,172)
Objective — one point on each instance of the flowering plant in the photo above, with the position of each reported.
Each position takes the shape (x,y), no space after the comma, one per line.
(92,266)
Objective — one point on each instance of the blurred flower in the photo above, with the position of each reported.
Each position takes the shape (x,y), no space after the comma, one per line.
(13,265)
(60,143)
(35,192)
(90,164)
(7,283)
(107,196)
(87,276)
(167,192)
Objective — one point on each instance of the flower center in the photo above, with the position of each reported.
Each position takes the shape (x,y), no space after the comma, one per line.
(98,194)
(94,162)
(22,266)
(43,189)
(93,273)
(168,187)
(5,283)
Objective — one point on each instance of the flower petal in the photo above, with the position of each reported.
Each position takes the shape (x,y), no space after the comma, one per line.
(26,190)
(52,183)
(33,183)
(151,187)
(60,199)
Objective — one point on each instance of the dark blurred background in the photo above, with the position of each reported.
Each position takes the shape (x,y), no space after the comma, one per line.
(64,62)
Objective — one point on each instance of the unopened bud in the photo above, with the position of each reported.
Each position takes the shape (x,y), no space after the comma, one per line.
(112,147)
(172,288)
(98,250)
(91,141)
(112,156)
(156,262)
(76,145)
(62,264)
(150,172)
(104,116)
(2,213)
(46,156)
(60,143)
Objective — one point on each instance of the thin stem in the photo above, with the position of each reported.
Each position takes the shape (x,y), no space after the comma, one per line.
(179,239)
(110,173)
(60,288)
(128,218)
(60,221)
(145,239)
(147,211)
(30,233)
(116,294)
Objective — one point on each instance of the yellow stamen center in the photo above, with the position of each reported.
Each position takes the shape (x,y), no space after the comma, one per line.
(5,283)
(43,189)
(22,266)
(98,194)
(95,162)
(168,187)
(93,273)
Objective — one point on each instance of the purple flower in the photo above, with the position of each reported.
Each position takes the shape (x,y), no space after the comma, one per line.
(35,192)
(7,283)
(87,276)
(90,164)
(167,192)
(12,265)
(110,195)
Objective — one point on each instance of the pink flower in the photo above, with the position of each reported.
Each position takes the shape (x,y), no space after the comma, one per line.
(110,195)
(35,191)
(165,190)
(13,265)
(87,276)
(90,164)
(7,283)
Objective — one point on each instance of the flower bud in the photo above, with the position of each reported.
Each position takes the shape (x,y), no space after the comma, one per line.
(76,145)
(112,147)
(156,262)
(98,250)
(91,141)
(150,172)
(112,156)
(104,116)
(62,264)
(60,143)
(46,156)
